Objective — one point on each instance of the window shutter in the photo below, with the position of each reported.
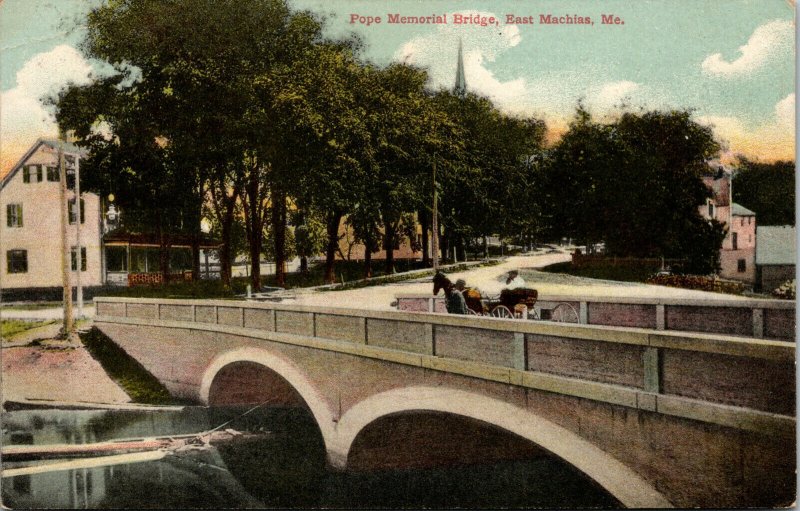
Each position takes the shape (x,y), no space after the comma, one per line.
(39,173)
(19,215)
(8,215)
(26,174)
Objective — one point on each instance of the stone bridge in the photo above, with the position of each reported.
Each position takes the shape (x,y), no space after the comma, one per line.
(656,418)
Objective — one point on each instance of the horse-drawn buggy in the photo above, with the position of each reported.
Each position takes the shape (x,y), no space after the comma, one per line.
(510,303)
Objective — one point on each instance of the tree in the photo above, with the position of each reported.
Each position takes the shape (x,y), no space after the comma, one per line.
(766,188)
(309,235)
(487,186)
(636,184)
(199,73)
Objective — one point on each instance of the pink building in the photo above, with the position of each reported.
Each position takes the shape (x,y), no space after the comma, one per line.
(738,253)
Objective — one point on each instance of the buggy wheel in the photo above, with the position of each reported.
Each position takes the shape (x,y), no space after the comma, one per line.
(501,311)
(564,313)
(471,312)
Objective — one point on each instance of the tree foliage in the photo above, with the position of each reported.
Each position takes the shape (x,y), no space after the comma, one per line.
(768,189)
(636,184)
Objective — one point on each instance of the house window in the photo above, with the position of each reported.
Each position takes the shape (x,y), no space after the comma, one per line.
(72,212)
(116,259)
(32,173)
(741,266)
(735,241)
(74,258)
(711,209)
(14,215)
(17,261)
(53,174)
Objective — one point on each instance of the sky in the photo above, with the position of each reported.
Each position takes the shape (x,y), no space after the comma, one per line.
(732,62)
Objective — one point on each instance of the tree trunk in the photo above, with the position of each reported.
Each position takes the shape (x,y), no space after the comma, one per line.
(486,247)
(163,255)
(425,225)
(255,261)
(279,234)
(368,258)
(224,205)
(332,230)
(195,257)
(225,251)
(460,248)
(444,245)
(388,246)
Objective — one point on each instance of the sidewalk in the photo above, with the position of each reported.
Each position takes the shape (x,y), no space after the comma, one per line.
(54,370)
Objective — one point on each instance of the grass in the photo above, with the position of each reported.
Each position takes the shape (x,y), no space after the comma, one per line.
(606,272)
(32,306)
(12,327)
(129,374)
(389,279)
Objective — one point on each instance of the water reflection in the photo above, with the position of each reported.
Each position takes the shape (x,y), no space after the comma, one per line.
(286,467)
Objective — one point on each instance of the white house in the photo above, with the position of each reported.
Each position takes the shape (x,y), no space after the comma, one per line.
(776,255)
(30,227)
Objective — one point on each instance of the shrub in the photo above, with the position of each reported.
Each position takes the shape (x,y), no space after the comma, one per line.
(698,282)
(786,290)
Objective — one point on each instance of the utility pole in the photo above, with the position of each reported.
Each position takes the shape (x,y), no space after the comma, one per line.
(79,215)
(62,177)
(435,223)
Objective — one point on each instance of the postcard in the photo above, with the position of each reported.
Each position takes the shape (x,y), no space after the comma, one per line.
(398,253)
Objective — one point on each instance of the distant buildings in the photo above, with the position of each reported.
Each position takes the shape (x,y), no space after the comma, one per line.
(738,252)
(776,256)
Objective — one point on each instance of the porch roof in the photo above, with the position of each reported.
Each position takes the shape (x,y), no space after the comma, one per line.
(153,240)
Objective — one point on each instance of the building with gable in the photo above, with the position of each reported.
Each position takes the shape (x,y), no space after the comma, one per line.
(738,252)
(30,227)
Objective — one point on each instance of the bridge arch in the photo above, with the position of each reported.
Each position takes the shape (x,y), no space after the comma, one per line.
(285,369)
(615,477)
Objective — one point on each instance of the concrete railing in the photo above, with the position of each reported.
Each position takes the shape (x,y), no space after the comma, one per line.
(750,382)
(762,319)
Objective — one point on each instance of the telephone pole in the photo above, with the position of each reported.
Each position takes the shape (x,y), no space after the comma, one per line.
(79,217)
(435,222)
(68,327)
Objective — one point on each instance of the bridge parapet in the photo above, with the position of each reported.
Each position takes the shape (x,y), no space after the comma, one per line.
(732,381)
(759,318)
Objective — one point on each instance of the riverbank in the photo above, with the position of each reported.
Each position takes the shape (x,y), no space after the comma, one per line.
(39,367)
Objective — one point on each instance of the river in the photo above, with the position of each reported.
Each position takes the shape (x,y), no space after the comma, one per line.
(283,467)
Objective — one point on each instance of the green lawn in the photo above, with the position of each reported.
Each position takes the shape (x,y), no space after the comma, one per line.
(606,272)
(31,306)
(12,327)
(345,271)
(137,382)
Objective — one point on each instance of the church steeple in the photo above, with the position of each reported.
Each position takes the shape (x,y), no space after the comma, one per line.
(461,83)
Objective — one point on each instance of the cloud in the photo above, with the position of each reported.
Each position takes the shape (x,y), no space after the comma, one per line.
(612,94)
(767,41)
(785,112)
(770,141)
(23,117)
(437,52)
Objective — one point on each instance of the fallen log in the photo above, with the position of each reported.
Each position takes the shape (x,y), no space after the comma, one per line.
(11,453)
(98,461)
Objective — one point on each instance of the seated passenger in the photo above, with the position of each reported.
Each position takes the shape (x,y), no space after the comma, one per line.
(454,300)
(514,281)
(472,297)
